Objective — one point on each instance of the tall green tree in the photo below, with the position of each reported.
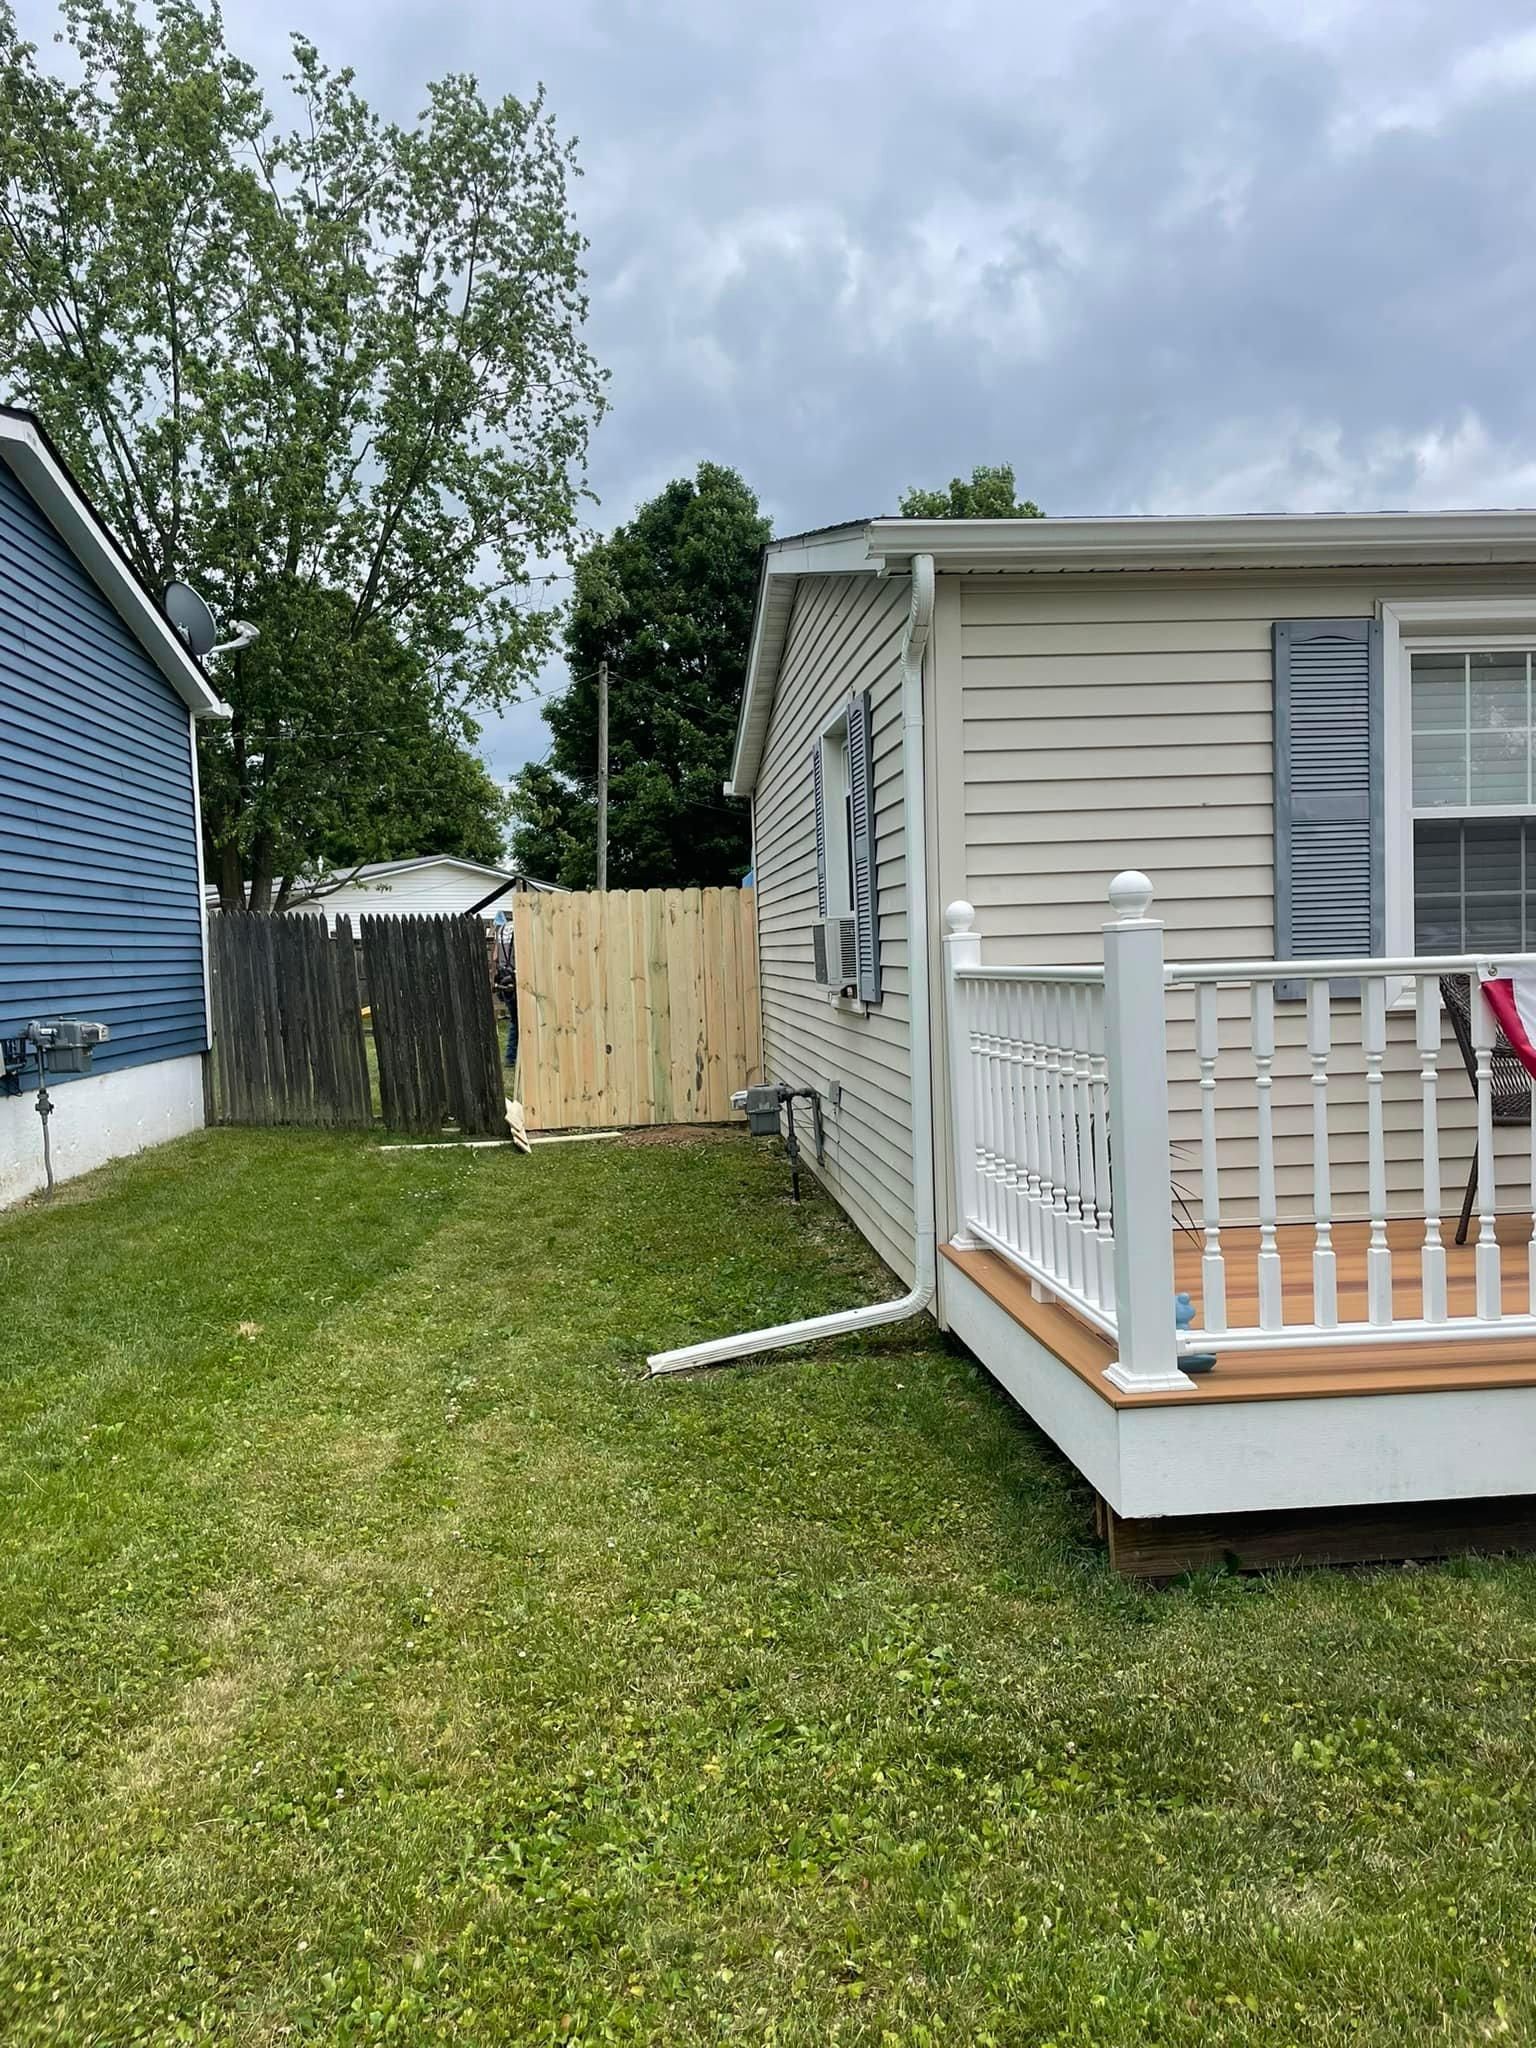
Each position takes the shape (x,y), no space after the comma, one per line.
(667,599)
(331,372)
(991,493)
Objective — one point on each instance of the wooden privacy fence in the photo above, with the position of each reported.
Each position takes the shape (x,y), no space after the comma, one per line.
(288,1045)
(636,1006)
(434,1025)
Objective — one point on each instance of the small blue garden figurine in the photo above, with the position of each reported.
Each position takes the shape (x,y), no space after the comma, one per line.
(1184,1317)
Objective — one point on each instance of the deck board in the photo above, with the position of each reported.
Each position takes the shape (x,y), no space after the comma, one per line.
(1300,1373)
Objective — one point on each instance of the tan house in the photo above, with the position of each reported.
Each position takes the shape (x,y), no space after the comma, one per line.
(1313,736)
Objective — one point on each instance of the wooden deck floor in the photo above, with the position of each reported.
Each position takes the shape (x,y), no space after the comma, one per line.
(1300,1374)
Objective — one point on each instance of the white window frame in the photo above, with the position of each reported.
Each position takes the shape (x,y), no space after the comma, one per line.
(1417,626)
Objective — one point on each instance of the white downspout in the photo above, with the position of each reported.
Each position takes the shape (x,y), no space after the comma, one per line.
(919,1035)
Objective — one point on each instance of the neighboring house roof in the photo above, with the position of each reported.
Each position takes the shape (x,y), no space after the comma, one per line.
(42,472)
(381,870)
(380,873)
(1098,546)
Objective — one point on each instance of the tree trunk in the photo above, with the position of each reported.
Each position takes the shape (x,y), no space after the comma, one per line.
(262,876)
(231,878)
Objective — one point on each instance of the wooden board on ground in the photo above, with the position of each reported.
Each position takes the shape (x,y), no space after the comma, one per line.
(635,1007)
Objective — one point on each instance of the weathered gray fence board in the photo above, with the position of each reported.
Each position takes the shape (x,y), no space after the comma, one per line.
(434,1024)
(288,1034)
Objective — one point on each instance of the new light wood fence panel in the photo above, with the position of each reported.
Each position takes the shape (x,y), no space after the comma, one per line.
(434,1025)
(287,1022)
(636,1006)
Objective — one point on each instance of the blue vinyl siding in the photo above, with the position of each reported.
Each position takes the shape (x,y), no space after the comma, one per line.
(100,912)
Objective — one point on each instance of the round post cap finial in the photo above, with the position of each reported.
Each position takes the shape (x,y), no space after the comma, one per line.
(960,916)
(1130,895)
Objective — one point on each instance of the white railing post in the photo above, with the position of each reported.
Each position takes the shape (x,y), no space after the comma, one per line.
(1486,1266)
(1427,1033)
(962,948)
(1135,1032)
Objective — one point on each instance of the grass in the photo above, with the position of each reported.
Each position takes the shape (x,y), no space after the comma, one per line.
(381,1658)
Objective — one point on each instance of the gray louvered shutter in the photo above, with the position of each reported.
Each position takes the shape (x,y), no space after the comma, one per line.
(1329,895)
(821,831)
(861,769)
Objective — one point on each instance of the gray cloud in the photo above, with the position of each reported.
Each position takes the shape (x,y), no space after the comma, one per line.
(1209,254)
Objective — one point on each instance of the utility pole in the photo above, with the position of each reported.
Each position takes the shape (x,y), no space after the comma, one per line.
(602,773)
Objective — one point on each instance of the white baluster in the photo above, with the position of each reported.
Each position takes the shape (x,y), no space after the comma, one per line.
(1086,1179)
(1271,1278)
(1013,1120)
(1050,1152)
(962,948)
(1030,1083)
(1045,1223)
(983,1104)
(1061,1206)
(993,1198)
(1325,1278)
(1378,1256)
(1104,1211)
(1490,1285)
(1427,1032)
(1072,1191)
(1213,1267)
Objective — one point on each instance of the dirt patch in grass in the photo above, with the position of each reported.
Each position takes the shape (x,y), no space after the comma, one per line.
(669,1136)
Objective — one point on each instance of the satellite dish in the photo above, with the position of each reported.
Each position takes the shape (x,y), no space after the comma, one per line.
(191,617)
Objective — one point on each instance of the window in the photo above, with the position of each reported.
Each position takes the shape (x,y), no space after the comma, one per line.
(1473,798)
(837,811)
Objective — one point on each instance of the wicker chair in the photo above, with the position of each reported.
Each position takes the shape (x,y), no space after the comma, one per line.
(1510,1083)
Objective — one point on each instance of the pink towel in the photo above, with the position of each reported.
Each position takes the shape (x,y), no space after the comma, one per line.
(1512,999)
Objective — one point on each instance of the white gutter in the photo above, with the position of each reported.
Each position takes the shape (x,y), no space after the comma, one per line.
(1209,541)
(846,1322)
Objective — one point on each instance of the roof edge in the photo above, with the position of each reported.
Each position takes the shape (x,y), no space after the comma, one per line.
(830,550)
(1141,542)
(43,474)
(1207,540)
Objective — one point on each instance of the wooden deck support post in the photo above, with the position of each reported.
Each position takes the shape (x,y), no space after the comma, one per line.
(1136,1040)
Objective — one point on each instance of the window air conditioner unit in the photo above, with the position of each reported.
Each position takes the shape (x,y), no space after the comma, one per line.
(836,945)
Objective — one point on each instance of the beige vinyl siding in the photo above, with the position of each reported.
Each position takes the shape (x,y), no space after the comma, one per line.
(1127,721)
(844,636)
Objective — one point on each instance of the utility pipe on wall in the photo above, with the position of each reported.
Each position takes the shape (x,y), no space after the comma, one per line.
(846,1322)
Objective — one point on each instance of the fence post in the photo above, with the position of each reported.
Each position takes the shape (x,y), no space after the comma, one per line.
(1136,1041)
(962,948)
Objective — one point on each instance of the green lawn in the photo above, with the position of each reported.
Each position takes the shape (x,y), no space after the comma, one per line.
(383,1658)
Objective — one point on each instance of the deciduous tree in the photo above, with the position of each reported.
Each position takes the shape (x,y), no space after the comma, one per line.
(330,372)
(667,599)
(990,494)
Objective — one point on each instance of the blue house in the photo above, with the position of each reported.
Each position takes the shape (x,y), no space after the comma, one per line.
(101,896)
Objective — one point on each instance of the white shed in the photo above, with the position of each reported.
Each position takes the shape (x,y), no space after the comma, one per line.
(434,885)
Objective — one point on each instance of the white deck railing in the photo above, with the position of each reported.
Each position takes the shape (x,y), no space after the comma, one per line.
(1060,1102)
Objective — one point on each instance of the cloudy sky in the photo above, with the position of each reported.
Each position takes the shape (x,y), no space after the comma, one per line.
(1193,256)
